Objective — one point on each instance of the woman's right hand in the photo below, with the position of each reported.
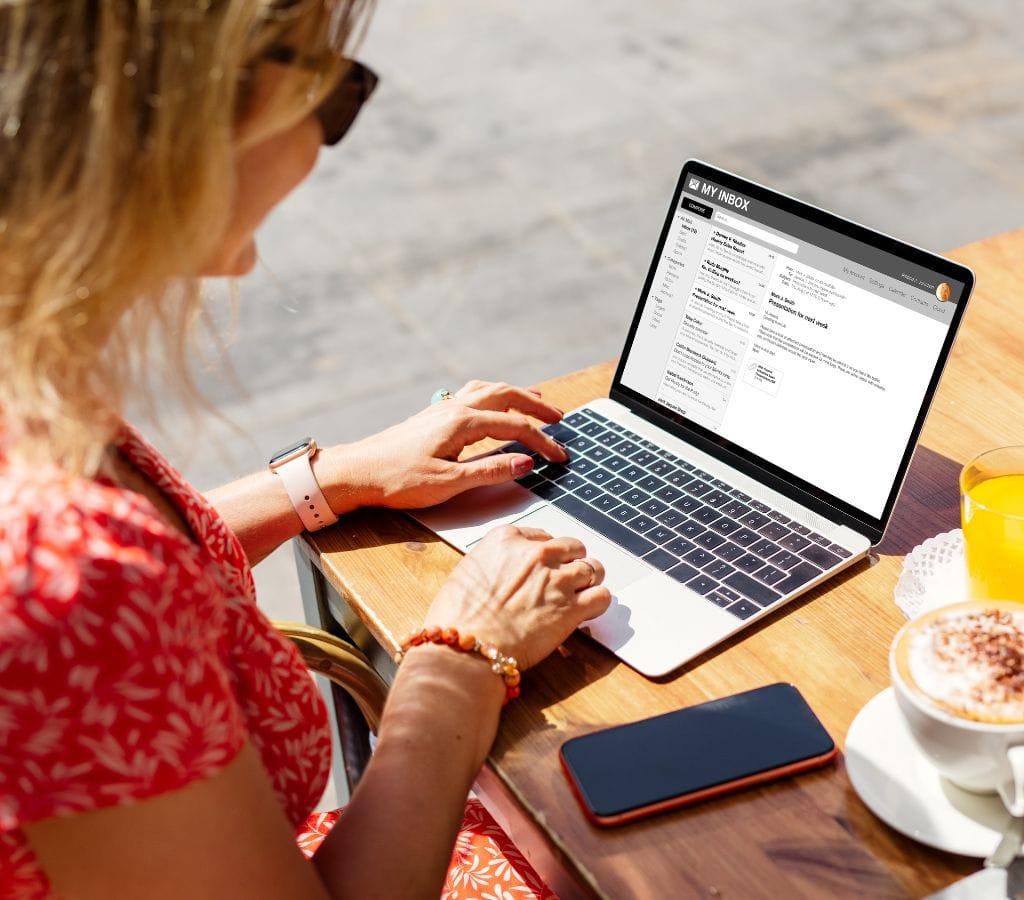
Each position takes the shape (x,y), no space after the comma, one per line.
(522,590)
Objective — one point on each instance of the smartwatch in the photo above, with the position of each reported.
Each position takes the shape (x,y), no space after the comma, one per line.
(294,464)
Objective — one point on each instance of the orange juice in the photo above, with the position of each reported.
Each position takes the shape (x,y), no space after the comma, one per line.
(993,522)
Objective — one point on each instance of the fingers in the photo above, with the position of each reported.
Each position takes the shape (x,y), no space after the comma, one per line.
(501,397)
(590,573)
(480,424)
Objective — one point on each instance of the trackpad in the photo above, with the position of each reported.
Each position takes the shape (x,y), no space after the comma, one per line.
(464,519)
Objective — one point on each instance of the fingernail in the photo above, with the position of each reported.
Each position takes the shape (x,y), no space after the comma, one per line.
(522,465)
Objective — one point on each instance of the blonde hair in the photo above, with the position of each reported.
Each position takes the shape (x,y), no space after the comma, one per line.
(117,145)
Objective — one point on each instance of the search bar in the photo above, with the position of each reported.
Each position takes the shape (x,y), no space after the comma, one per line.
(754,231)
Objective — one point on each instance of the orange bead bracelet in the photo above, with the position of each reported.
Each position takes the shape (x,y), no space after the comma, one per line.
(505,666)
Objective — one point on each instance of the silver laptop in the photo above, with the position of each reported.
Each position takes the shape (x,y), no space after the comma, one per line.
(771,391)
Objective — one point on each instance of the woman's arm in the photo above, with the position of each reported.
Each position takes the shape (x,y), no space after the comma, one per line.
(411,465)
(227,836)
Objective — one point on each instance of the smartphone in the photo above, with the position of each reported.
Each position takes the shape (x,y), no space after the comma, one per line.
(630,771)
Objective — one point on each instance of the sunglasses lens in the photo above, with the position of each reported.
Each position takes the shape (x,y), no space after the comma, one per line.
(339,109)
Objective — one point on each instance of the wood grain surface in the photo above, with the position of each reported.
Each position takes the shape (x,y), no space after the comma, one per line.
(809,836)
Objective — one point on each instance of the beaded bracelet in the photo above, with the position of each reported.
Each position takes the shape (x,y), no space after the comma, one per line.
(505,666)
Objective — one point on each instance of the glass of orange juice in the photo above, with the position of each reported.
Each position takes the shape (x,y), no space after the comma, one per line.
(992,513)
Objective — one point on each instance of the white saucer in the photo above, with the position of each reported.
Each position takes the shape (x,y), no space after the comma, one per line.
(897,783)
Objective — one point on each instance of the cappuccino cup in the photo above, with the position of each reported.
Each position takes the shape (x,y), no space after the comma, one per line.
(958,677)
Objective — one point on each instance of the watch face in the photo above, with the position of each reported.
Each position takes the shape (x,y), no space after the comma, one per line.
(292,451)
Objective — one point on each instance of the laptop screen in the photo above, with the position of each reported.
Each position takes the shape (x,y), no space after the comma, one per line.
(805,345)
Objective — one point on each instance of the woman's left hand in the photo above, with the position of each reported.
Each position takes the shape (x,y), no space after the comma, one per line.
(416,463)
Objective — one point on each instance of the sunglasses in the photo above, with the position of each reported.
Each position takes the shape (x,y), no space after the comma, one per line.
(338,110)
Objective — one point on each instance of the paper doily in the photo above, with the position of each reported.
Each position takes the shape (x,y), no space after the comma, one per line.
(934,574)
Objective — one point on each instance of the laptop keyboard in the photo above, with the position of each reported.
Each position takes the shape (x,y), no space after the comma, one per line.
(736,552)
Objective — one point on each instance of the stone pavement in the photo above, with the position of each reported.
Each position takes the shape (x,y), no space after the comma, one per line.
(495,209)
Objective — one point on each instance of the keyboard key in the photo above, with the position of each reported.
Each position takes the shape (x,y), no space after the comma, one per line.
(579,444)
(698,488)
(632,435)
(593,430)
(706,515)
(650,484)
(617,486)
(721,485)
(615,426)
(739,495)
(589,492)
(577,419)
(599,476)
(682,572)
(653,507)
(718,598)
(606,503)
(702,584)
(839,551)
(581,465)
(744,536)
(716,499)
(634,497)
(680,547)
(776,516)
(800,529)
(642,524)
(755,520)
(669,493)
(725,526)
(551,471)
(820,556)
(679,478)
(609,439)
(559,432)
(627,448)
(671,517)
(729,551)
(649,445)
(718,570)
(688,504)
(644,459)
(662,467)
(661,534)
(784,559)
(735,509)
(819,539)
(760,507)
(698,557)
(599,454)
(690,529)
(530,479)
(774,531)
(700,473)
(633,473)
(728,593)
(743,609)
(764,549)
(614,463)
(624,513)
(570,481)
(770,575)
(794,542)
(761,594)
(709,540)
(797,577)
(605,526)
(594,415)
(661,560)
(548,490)
(749,563)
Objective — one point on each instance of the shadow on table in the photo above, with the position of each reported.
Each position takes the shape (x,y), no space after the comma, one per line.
(928,505)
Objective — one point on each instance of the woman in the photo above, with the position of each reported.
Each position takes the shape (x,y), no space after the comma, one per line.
(157,738)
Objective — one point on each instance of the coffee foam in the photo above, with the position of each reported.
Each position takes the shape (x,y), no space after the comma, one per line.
(969,661)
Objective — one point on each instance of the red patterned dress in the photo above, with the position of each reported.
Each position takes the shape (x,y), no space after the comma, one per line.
(134,661)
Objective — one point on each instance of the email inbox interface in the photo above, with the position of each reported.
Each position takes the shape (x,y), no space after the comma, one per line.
(808,359)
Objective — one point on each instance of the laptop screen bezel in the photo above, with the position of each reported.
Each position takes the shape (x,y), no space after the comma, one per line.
(774,476)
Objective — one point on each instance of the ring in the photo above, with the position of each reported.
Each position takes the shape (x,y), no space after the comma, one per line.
(593,573)
(441,394)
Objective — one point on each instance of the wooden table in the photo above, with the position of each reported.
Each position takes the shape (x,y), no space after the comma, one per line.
(805,837)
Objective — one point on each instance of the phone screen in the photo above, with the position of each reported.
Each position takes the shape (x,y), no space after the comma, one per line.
(696,752)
